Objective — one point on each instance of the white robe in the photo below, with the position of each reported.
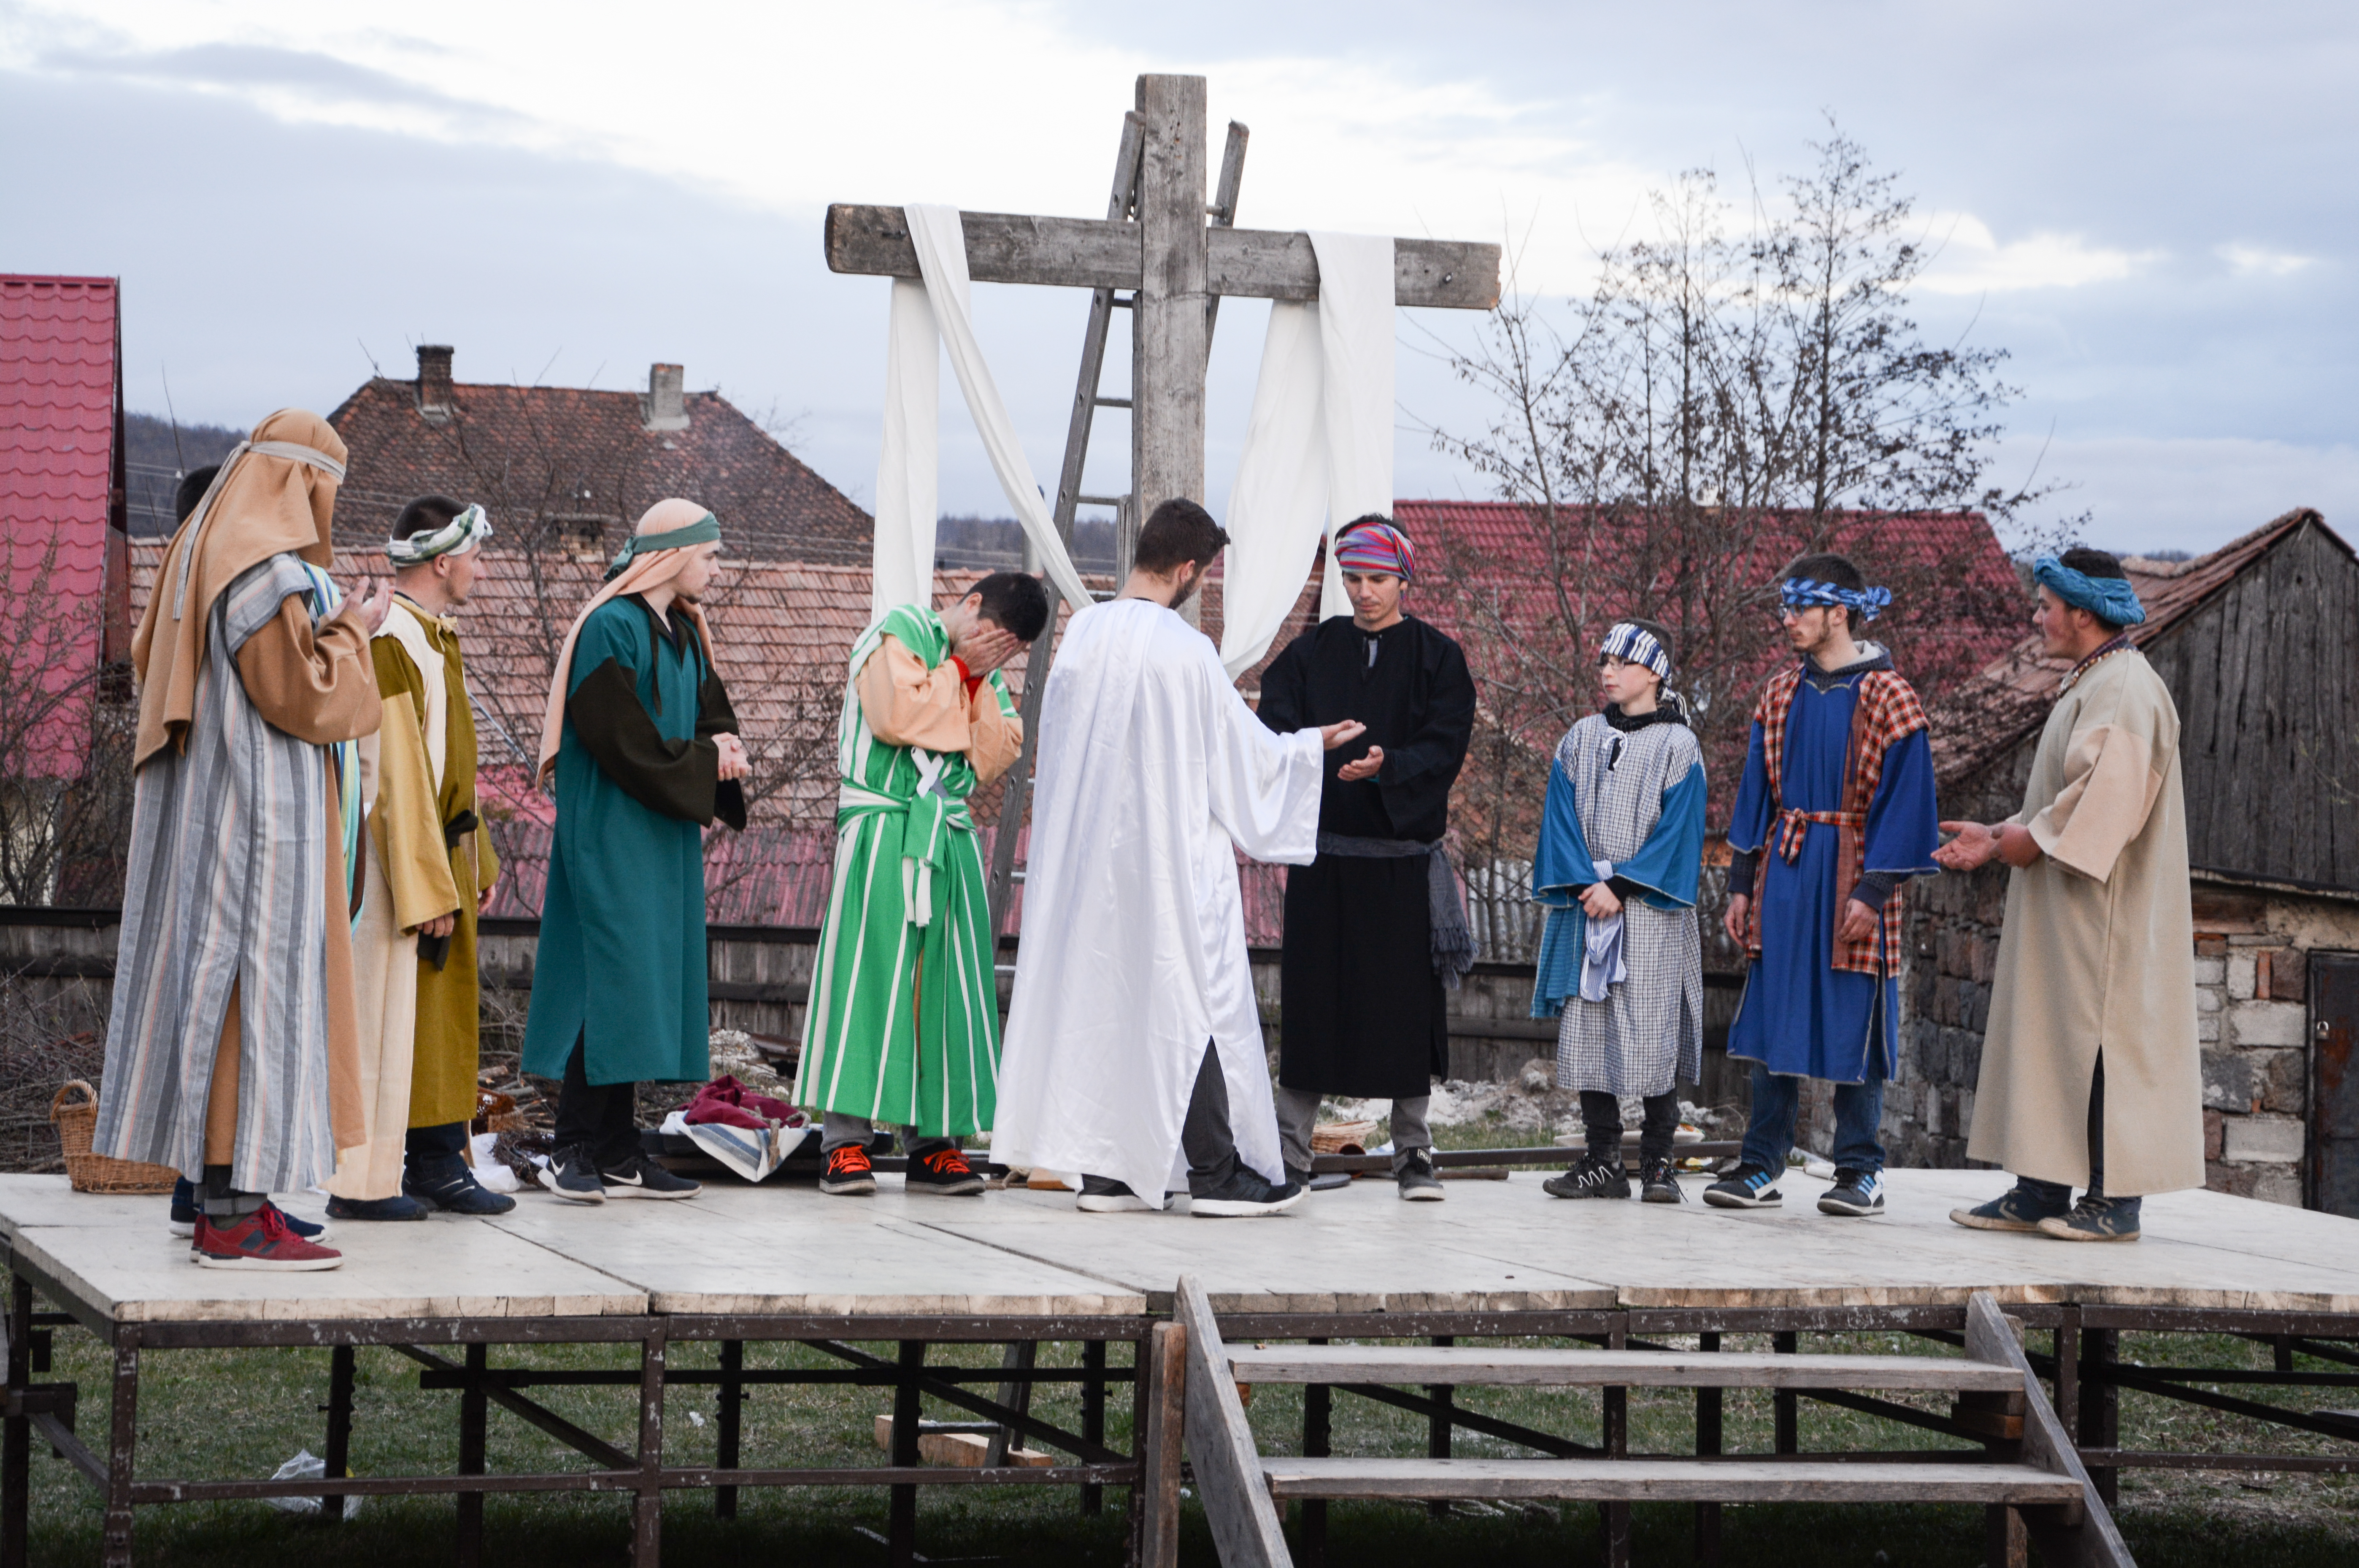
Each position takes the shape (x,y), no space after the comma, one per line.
(1152,772)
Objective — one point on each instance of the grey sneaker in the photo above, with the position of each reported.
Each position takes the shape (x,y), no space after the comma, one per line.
(2095,1219)
(1419,1184)
(1593,1178)
(2021,1207)
(640,1177)
(1659,1182)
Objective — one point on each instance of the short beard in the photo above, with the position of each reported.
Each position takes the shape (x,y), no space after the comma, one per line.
(1188,589)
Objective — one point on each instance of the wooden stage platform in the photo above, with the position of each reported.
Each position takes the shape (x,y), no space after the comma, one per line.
(781,1262)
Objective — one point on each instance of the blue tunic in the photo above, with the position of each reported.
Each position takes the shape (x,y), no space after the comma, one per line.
(1800,1016)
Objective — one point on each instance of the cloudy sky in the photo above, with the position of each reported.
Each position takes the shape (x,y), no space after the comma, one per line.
(2149,206)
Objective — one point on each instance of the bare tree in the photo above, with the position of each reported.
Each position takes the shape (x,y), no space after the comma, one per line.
(66,731)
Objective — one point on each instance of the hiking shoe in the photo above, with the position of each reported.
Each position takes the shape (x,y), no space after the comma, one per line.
(1104,1195)
(640,1177)
(445,1184)
(1746,1187)
(260,1242)
(1593,1178)
(1244,1194)
(2095,1219)
(1658,1182)
(397,1207)
(1419,1184)
(572,1173)
(943,1170)
(2020,1207)
(1856,1193)
(848,1173)
(186,1207)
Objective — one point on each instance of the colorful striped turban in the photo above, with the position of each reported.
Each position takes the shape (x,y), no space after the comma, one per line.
(1376,547)
(1637,645)
(1800,593)
(2110,599)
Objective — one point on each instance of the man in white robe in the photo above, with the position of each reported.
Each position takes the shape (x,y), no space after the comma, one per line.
(1134,1050)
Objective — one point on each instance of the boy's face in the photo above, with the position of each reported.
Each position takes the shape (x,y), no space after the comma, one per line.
(1375,598)
(1623,682)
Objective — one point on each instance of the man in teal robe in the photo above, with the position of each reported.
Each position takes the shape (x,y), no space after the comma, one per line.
(647,758)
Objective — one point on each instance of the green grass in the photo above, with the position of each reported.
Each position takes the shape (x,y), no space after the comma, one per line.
(241,1413)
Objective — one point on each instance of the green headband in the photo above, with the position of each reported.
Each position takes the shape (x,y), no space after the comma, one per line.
(704,531)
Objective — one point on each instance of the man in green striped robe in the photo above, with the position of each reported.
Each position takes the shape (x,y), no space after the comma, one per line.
(903,1027)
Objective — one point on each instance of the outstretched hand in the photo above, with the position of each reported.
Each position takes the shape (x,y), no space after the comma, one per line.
(1344,733)
(369,604)
(1364,767)
(1973,846)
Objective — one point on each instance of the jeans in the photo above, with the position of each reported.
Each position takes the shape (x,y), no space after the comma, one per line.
(600,1118)
(1297,1113)
(836,1129)
(2057,1194)
(1776,1099)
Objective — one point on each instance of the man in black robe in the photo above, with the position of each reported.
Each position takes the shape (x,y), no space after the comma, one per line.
(1375,927)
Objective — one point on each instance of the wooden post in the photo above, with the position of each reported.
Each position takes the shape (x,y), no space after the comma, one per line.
(1167,326)
(1160,1424)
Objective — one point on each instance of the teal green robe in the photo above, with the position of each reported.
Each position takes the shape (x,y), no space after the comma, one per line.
(622,963)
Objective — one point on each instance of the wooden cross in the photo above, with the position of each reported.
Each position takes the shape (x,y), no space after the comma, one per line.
(1174,264)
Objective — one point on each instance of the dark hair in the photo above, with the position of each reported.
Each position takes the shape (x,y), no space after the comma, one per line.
(193,486)
(1015,602)
(2094,563)
(1177,533)
(1828,567)
(1364,520)
(427,514)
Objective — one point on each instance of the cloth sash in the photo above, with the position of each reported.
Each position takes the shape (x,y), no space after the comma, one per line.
(928,818)
(1453,935)
(1601,968)
(1794,824)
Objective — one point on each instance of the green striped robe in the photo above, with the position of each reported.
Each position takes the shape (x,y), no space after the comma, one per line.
(903,1026)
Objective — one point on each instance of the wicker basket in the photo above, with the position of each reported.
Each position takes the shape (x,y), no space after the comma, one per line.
(1341,1138)
(98,1173)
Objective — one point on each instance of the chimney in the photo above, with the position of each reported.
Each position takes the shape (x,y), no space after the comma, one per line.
(434,395)
(665,408)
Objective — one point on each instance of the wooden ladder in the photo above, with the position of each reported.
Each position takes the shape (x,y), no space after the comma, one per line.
(2032,1481)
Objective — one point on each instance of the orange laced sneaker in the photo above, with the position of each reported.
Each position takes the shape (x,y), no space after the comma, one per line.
(944,1171)
(848,1173)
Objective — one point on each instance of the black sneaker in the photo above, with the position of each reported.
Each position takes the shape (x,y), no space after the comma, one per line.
(572,1173)
(640,1177)
(848,1172)
(1857,1193)
(1746,1187)
(944,1171)
(2096,1219)
(398,1207)
(1244,1194)
(2020,1208)
(1104,1195)
(1659,1182)
(1419,1184)
(1593,1178)
(444,1182)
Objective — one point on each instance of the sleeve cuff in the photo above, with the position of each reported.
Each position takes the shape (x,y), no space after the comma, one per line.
(1874,887)
(1742,868)
(970,680)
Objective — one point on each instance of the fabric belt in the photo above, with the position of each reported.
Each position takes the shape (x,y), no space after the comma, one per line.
(1794,823)
(1454,936)
(928,818)
(1601,967)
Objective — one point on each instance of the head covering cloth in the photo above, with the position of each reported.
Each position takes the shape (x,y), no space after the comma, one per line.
(2109,599)
(1801,593)
(275,495)
(1375,548)
(1637,645)
(652,558)
(462,533)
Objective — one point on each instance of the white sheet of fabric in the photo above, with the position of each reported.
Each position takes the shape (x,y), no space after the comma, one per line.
(1152,773)
(1602,967)
(938,309)
(1319,444)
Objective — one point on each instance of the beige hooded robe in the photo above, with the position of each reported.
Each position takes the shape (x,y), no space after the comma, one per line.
(2098,951)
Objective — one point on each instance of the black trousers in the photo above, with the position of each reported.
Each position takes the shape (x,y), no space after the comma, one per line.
(1601,1116)
(601,1117)
(1204,1136)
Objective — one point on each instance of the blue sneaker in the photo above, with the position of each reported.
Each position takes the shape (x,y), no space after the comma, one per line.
(1750,1187)
(1856,1193)
(2095,1219)
(185,1209)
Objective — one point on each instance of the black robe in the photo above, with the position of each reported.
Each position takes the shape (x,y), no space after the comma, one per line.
(1363,1011)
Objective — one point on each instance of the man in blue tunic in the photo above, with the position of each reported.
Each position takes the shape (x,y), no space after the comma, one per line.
(1838,787)
(642,746)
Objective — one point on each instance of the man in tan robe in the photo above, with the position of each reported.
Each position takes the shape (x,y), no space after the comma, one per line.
(2091,1076)
(431,869)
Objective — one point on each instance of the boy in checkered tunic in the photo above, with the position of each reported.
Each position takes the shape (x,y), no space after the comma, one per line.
(1621,960)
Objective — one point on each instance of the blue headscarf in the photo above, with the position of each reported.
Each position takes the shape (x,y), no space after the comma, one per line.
(2110,599)
(1802,591)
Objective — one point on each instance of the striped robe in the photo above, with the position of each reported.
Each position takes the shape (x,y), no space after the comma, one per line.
(903,1026)
(236,882)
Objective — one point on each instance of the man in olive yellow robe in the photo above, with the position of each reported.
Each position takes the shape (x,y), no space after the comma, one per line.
(2091,1076)
(431,868)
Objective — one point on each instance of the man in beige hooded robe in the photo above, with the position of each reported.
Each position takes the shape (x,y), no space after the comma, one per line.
(2091,1076)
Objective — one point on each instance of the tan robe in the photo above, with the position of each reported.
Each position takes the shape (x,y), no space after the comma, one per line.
(2098,951)
(908,704)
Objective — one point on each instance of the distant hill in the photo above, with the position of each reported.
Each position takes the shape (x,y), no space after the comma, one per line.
(996,544)
(155,457)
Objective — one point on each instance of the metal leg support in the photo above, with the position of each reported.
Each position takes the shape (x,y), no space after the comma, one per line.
(646,1510)
(1785,1405)
(337,1461)
(1094,1406)
(16,1445)
(901,1532)
(1614,1519)
(1709,1406)
(473,1409)
(121,1449)
(2101,1407)
(732,1399)
(1438,1425)
(1318,1424)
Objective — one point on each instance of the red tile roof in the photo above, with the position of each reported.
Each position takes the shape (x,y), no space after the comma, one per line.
(60,489)
(563,459)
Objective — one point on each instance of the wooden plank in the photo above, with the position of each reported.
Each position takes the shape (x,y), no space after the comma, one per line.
(1602,1368)
(1162,1420)
(1083,253)
(1166,316)
(2081,1532)
(1221,1444)
(1665,1480)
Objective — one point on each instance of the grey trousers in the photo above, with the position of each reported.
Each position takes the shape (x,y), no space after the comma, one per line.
(1298,1112)
(836,1129)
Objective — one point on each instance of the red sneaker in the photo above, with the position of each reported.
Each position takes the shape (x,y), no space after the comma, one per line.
(945,1171)
(848,1173)
(260,1242)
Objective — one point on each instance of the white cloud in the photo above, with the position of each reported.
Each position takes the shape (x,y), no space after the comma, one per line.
(1970,259)
(2253,261)
(2193,493)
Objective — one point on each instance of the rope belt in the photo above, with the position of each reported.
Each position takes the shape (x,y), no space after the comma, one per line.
(1794,823)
